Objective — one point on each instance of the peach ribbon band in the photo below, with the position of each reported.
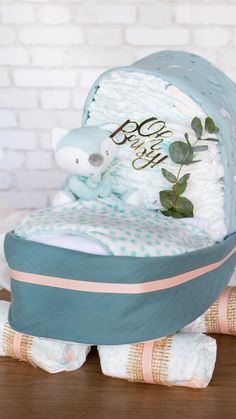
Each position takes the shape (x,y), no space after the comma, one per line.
(147,361)
(17,345)
(117,288)
(223,316)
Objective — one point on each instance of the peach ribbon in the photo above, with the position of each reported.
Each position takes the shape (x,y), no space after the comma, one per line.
(17,345)
(147,361)
(117,288)
(223,318)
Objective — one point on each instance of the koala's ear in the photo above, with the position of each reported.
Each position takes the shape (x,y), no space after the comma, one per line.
(57,134)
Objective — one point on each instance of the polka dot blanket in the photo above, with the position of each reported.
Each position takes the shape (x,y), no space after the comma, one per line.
(119,228)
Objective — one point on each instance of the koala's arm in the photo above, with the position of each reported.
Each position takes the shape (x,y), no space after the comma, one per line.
(75,188)
(105,187)
(80,190)
(133,197)
(64,196)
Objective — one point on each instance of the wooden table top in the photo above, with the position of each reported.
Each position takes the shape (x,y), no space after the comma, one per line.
(28,392)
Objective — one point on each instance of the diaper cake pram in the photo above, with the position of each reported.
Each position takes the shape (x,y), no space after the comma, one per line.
(141,238)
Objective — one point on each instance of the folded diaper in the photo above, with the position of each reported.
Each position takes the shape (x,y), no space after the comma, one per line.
(219,318)
(183,359)
(50,355)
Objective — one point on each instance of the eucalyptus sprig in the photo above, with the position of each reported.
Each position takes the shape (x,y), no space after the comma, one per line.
(182,153)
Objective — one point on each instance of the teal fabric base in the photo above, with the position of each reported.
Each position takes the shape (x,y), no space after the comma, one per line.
(105,317)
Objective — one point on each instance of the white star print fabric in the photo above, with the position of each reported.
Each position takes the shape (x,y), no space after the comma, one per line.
(118,228)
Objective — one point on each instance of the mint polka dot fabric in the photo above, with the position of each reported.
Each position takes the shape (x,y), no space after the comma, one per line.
(119,228)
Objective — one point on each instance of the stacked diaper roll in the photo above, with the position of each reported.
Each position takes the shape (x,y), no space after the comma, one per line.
(183,359)
(220,317)
(51,355)
(8,221)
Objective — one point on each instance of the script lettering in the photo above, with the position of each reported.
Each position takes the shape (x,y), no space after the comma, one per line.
(144,139)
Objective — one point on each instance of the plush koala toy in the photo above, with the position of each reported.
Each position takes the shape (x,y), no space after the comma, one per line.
(84,153)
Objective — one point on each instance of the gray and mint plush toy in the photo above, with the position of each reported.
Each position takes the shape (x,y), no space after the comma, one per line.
(84,153)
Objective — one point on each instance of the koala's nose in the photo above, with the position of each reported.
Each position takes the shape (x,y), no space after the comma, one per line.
(96,159)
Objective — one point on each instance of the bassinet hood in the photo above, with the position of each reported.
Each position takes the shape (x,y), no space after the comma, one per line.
(211,89)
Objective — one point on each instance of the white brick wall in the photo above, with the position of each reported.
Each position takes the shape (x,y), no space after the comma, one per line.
(17,13)
(44,78)
(51,51)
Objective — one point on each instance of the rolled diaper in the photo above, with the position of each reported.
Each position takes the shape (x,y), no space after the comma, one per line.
(183,359)
(220,317)
(49,354)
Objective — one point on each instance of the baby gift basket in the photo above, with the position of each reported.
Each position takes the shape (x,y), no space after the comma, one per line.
(123,295)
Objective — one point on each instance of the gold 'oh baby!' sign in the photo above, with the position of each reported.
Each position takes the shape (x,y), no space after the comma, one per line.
(145,139)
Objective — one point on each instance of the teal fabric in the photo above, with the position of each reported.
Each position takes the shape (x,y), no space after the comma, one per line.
(212,90)
(105,318)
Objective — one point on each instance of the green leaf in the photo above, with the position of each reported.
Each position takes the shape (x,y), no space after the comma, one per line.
(187,137)
(210,126)
(166,198)
(184,178)
(178,189)
(166,212)
(184,206)
(181,153)
(197,126)
(198,148)
(211,139)
(169,176)
(172,213)
(192,162)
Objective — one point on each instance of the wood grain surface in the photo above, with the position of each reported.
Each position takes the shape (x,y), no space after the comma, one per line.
(28,392)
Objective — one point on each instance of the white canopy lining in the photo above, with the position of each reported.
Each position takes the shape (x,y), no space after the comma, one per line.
(123,95)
